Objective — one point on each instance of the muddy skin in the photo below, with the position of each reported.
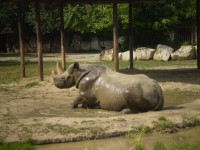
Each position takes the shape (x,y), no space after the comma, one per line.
(100,87)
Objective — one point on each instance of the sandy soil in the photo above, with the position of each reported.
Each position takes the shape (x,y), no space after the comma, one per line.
(39,113)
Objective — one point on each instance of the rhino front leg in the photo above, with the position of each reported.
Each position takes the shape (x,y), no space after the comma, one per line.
(76,102)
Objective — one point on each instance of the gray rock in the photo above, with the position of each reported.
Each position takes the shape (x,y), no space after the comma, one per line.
(106,55)
(126,55)
(184,53)
(144,53)
(163,52)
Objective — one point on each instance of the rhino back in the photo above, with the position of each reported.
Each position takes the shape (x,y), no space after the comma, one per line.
(114,90)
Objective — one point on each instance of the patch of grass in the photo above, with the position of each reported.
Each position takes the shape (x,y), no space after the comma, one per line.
(32,84)
(160,146)
(163,124)
(16,146)
(139,146)
(143,129)
(139,131)
(63,129)
(129,135)
(96,130)
(190,121)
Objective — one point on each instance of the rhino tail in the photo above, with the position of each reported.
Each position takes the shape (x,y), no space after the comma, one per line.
(160,102)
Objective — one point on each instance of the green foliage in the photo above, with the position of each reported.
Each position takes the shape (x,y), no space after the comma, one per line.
(155,20)
(88,18)
(49,16)
(8,25)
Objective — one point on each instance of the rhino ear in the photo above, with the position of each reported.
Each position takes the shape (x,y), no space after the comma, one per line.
(76,66)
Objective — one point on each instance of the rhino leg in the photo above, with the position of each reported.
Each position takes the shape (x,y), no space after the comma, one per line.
(81,102)
(77,101)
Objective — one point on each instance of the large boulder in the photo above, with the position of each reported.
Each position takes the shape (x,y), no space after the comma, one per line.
(163,52)
(106,55)
(95,45)
(144,53)
(183,53)
(125,56)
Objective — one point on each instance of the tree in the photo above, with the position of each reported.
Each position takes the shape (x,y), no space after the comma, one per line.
(8,21)
(88,18)
(49,15)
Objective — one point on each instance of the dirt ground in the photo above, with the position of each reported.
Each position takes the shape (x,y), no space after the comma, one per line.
(38,112)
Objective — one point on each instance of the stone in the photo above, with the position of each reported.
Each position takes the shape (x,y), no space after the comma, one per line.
(106,55)
(95,44)
(126,55)
(185,52)
(144,53)
(163,52)
(120,56)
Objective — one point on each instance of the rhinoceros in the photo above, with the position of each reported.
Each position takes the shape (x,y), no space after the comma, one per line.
(101,87)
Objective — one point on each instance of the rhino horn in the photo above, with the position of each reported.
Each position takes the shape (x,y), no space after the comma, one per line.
(59,69)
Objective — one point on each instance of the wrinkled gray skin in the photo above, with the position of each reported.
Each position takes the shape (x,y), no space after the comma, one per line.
(100,87)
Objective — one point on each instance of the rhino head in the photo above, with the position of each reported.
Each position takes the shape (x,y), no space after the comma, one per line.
(65,79)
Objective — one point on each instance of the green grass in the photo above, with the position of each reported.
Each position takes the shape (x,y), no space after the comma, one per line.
(160,146)
(16,146)
(163,124)
(10,70)
(190,121)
